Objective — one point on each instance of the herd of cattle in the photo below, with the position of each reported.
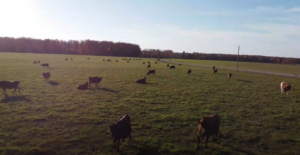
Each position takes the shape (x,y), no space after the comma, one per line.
(207,126)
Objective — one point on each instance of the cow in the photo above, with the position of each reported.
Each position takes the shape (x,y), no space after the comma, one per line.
(215,71)
(38,61)
(108,60)
(189,72)
(95,80)
(141,80)
(116,60)
(103,60)
(143,62)
(285,88)
(10,85)
(66,59)
(208,126)
(151,72)
(229,75)
(88,58)
(213,67)
(127,61)
(71,58)
(179,64)
(34,62)
(83,86)
(156,62)
(149,66)
(172,67)
(148,62)
(121,130)
(168,65)
(46,75)
(45,64)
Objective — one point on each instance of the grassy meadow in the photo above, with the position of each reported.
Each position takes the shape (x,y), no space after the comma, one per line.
(267,67)
(55,118)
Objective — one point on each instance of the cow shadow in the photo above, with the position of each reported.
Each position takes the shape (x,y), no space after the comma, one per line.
(247,81)
(14,99)
(108,90)
(53,83)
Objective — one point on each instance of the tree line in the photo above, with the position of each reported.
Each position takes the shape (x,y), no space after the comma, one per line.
(156,53)
(85,47)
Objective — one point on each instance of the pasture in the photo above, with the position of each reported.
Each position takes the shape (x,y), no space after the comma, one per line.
(53,117)
(266,67)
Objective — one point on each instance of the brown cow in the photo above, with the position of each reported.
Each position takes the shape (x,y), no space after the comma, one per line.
(88,58)
(45,64)
(215,71)
(156,62)
(127,61)
(285,88)
(151,72)
(208,126)
(172,67)
(116,60)
(34,62)
(95,80)
(71,58)
(83,86)
(103,60)
(189,72)
(46,75)
(141,80)
(10,85)
(143,62)
(229,75)
(38,61)
(121,130)
(66,59)
(149,66)
(179,64)
(214,68)
(168,65)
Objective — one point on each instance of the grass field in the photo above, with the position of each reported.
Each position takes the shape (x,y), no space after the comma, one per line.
(268,67)
(55,118)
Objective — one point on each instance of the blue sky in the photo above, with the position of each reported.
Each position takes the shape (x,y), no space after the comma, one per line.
(260,27)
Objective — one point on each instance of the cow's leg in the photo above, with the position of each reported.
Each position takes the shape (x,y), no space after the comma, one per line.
(118,144)
(207,137)
(198,141)
(129,136)
(115,142)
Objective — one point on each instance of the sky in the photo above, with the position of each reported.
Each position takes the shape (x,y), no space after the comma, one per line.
(259,27)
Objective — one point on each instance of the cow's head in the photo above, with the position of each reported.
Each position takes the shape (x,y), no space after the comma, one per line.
(113,130)
(204,125)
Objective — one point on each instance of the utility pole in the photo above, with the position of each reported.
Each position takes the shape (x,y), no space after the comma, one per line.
(237,61)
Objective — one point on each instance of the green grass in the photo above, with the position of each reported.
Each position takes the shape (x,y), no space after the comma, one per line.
(55,118)
(268,67)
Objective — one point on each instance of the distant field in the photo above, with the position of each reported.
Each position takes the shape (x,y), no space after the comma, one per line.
(55,118)
(277,68)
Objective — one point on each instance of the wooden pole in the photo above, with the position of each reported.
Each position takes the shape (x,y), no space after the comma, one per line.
(237,60)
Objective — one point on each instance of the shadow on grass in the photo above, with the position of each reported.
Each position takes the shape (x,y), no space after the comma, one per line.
(244,81)
(53,83)
(109,90)
(148,83)
(14,99)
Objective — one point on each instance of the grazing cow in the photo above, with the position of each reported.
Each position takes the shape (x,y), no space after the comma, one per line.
(215,71)
(46,75)
(229,75)
(71,58)
(121,130)
(127,61)
(10,85)
(88,58)
(189,72)
(34,62)
(179,64)
(143,62)
(151,72)
(214,68)
(168,65)
(66,59)
(95,80)
(149,66)
(285,88)
(103,59)
(208,126)
(108,60)
(172,67)
(156,62)
(141,80)
(116,60)
(45,64)
(38,61)
(83,86)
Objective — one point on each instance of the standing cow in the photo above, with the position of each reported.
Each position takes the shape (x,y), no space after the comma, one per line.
(10,85)
(208,126)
